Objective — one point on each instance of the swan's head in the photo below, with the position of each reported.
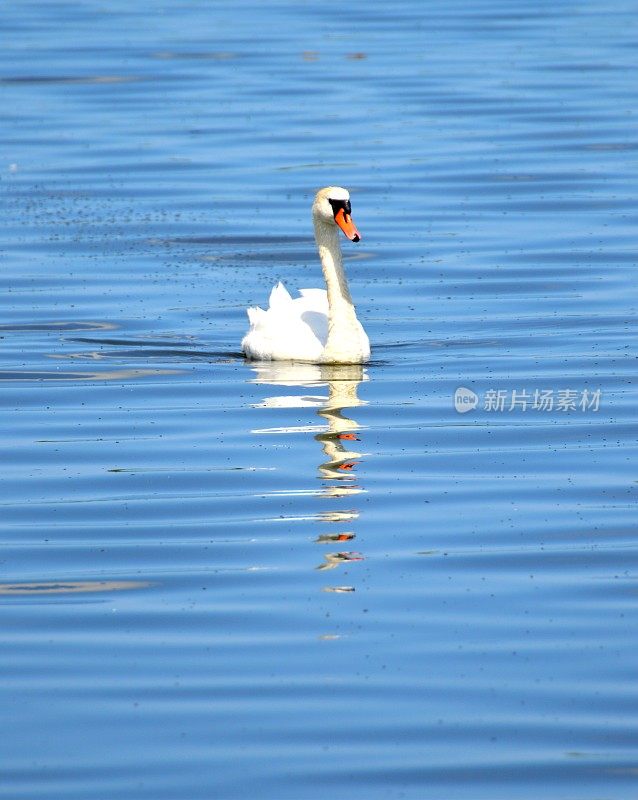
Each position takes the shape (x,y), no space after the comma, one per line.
(332,206)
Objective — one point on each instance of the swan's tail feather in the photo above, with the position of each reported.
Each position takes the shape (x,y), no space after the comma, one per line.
(279,297)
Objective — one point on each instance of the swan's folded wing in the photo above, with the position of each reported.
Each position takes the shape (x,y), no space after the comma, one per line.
(256,316)
(289,329)
(279,298)
(316,299)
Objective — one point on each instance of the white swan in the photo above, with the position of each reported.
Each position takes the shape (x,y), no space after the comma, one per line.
(320,327)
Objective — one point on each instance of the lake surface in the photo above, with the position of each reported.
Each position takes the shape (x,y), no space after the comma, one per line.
(223,580)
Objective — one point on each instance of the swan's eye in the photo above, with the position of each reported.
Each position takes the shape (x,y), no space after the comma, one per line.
(337,205)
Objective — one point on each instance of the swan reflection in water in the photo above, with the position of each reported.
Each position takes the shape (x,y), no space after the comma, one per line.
(338,437)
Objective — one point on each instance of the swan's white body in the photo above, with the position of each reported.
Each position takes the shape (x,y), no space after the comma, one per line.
(321,325)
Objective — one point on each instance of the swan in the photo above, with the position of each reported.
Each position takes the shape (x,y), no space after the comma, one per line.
(319,327)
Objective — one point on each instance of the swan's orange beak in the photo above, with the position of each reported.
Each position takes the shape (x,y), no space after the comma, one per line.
(344,221)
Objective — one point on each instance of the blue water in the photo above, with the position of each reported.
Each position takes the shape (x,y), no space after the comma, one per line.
(222,580)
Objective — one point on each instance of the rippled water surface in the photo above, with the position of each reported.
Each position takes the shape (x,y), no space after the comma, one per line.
(223,580)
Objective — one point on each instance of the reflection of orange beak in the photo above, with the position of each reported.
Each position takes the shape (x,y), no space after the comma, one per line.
(344,221)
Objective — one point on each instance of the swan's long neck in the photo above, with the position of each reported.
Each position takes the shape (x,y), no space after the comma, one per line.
(342,317)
